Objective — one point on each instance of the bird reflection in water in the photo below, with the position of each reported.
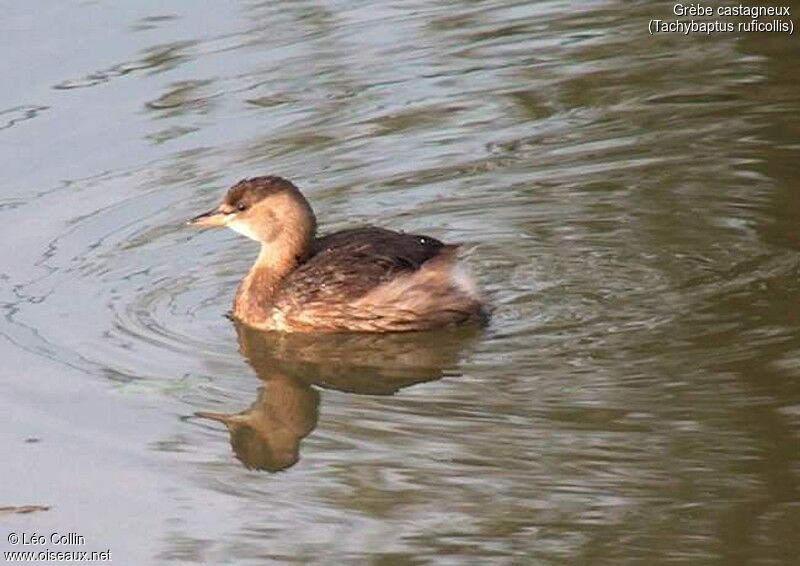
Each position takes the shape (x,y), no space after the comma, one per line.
(267,435)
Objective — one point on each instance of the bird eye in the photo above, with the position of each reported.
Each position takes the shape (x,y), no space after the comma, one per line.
(241,206)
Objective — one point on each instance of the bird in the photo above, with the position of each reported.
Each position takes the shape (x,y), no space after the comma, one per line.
(364,279)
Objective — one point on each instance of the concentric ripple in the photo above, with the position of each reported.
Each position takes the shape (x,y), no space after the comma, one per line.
(138,300)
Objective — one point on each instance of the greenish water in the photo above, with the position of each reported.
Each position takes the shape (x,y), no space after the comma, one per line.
(632,209)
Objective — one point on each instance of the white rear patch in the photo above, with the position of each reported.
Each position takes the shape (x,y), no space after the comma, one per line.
(462,280)
(279,321)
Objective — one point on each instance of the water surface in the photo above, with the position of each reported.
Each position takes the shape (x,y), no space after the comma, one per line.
(632,209)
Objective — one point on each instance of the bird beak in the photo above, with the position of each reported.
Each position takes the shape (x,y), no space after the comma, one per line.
(209,219)
(229,421)
(219,417)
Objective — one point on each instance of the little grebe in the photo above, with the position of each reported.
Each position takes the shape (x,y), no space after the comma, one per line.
(364,279)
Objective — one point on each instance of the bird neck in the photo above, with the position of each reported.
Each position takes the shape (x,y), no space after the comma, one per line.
(253,302)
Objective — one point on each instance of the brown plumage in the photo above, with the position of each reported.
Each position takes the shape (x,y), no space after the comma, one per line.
(364,279)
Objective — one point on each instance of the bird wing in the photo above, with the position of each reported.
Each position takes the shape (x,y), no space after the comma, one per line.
(346,265)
